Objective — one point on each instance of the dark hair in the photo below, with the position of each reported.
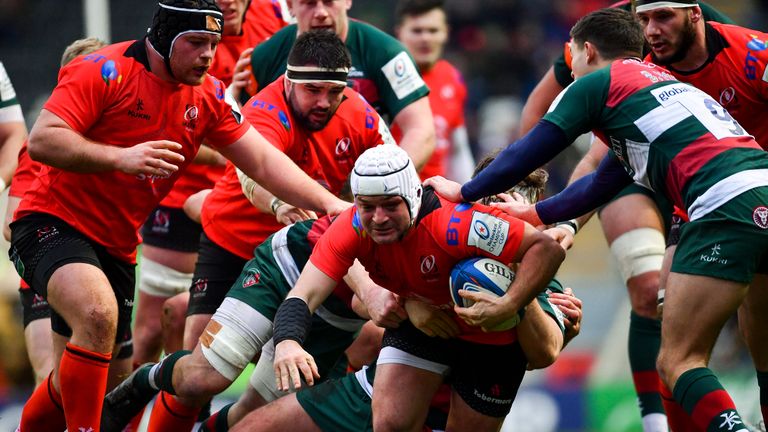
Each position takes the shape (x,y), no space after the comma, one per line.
(532,187)
(407,8)
(321,48)
(614,32)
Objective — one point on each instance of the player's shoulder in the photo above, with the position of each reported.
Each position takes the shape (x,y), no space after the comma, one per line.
(355,112)
(371,43)
(112,64)
(269,103)
(280,42)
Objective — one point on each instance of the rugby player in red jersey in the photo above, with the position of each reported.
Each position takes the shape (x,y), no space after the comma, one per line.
(170,238)
(422,27)
(394,226)
(114,135)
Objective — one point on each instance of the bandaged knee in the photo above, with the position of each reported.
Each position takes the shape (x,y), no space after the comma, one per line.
(263,378)
(639,251)
(233,337)
(160,280)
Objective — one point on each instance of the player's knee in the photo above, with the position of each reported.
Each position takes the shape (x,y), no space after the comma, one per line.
(99,321)
(227,350)
(638,252)
(174,313)
(383,421)
(162,281)
(643,293)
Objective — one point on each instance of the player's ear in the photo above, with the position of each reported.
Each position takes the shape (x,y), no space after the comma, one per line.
(695,14)
(590,52)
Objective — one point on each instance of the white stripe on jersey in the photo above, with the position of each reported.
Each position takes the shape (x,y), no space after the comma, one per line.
(638,160)
(725,190)
(658,120)
(291,272)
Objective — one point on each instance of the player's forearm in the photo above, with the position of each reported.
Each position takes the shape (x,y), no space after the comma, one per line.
(539,101)
(537,267)
(257,195)
(418,127)
(209,156)
(539,336)
(462,161)
(12,137)
(64,148)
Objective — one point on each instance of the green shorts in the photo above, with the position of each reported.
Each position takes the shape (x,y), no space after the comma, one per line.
(261,284)
(730,242)
(339,405)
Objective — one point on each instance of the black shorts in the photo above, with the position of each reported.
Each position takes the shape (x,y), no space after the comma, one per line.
(171,228)
(33,306)
(42,243)
(216,271)
(486,377)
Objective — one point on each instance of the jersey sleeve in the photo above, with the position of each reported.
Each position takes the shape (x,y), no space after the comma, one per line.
(273,124)
(396,75)
(577,109)
(10,110)
(231,125)
(268,59)
(553,311)
(86,87)
(757,58)
(478,230)
(711,14)
(337,248)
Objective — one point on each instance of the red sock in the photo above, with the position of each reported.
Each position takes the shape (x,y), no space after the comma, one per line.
(168,414)
(83,376)
(43,411)
(678,419)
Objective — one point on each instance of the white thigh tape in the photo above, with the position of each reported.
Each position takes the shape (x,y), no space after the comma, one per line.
(162,281)
(235,334)
(639,251)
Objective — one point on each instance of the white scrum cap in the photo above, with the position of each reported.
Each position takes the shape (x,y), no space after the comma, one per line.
(387,170)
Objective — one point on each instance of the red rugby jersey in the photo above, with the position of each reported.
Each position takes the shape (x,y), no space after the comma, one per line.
(262,19)
(420,265)
(111,97)
(447,95)
(327,155)
(735,75)
(25,174)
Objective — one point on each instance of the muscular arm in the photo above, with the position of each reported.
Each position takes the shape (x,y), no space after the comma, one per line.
(541,257)
(54,143)
(209,156)
(278,174)
(516,161)
(539,101)
(418,128)
(12,135)
(585,194)
(540,337)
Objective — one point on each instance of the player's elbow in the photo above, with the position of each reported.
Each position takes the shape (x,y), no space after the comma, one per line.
(543,355)
(36,145)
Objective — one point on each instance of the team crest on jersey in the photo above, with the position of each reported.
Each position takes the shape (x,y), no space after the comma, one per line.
(252,278)
(727,96)
(760,216)
(428,264)
(110,72)
(190,117)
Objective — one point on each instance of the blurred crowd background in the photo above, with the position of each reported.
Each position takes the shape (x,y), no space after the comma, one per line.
(502,47)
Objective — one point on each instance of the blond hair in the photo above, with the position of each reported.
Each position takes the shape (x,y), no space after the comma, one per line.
(81,47)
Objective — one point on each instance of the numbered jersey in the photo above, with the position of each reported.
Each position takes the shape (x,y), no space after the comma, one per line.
(670,136)
(735,75)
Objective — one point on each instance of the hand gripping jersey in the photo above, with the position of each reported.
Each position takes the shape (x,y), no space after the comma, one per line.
(111,97)
(420,264)
(382,70)
(735,75)
(262,19)
(562,67)
(327,156)
(670,136)
(447,96)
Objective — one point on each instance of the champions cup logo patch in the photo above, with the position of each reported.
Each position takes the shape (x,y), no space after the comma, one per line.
(482,230)
(760,216)
(489,233)
(213,24)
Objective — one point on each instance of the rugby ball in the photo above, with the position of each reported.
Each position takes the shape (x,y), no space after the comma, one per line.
(483,275)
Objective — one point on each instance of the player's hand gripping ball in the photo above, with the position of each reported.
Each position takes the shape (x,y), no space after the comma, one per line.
(483,275)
